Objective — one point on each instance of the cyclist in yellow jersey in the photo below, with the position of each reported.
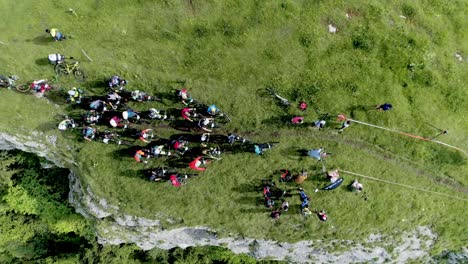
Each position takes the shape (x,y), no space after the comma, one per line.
(57,35)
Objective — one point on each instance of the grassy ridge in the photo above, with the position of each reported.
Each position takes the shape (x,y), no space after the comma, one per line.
(226,51)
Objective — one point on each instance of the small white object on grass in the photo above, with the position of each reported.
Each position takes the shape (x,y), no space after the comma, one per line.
(316,190)
(402,16)
(332,29)
(72,11)
(458,56)
(348,16)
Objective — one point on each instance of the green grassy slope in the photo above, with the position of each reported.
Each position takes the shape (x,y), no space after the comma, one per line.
(227,51)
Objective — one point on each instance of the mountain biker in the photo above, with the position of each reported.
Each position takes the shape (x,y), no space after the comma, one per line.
(8,82)
(269,202)
(174,180)
(57,58)
(98,105)
(126,115)
(320,124)
(146,134)
(57,35)
(180,146)
(184,97)
(297,120)
(66,124)
(116,83)
(188,112)
(261,148)
(92,117)
(117,122)
(157,174)
(139,154)
(159,150)
(266,191)
(40,86)
(196,163)
(156,114)
(345,125)
(212,152)
(204,138)
(113,99)
(140,96)
(89,133)
(206,123)
(213,110)
(107,136)
(74,95)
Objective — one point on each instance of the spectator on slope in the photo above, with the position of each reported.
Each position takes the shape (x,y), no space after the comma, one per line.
(384,107)
(57,35)
(356,186)
(297,120)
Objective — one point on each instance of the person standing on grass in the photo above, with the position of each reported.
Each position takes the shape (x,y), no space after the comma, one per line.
(57,35)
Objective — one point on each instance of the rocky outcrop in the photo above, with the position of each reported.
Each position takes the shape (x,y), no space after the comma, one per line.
(114,227)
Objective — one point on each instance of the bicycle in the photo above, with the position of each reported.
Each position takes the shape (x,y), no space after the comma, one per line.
(10,83)
(283,100)
(67,68)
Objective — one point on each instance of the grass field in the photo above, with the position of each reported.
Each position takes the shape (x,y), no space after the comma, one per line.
(228,51)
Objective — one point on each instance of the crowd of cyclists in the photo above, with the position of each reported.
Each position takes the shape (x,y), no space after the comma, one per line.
(107,118)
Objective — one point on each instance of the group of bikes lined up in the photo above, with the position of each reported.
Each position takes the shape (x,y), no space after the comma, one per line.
(109,119)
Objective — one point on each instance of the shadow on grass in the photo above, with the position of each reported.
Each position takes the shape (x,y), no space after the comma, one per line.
(42,61)
(278,121)
(41,40)
(291,153)
(48,126)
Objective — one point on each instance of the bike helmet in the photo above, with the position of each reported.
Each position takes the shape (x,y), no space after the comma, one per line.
(72,92)
(125,115)
(212,109)
(153,113)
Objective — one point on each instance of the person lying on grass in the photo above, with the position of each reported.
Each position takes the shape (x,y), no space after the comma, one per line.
(318,154)
(297,120)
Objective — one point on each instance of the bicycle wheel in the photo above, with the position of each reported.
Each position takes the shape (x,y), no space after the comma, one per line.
(23,88)
(61,69)
(79,75)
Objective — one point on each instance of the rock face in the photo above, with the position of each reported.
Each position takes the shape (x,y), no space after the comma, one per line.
(114,227)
